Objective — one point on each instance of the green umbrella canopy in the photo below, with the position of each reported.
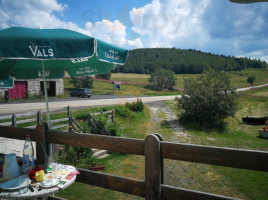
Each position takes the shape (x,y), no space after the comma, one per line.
(23,49)
(27,53)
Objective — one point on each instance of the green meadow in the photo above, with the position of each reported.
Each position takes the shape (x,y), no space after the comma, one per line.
(245,184)
(239,80)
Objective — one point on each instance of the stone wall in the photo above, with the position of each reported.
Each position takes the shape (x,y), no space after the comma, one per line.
(34,87)
(2,92)
(59,87)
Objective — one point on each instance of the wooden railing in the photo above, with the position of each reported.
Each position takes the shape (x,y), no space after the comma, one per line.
(36,117)
(96,126)
(154,150)
(56,123)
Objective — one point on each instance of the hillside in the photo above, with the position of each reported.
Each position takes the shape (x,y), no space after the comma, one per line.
(144,61)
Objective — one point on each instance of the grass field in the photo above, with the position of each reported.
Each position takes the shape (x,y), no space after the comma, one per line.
(245,184)
(239,80)
(133,126)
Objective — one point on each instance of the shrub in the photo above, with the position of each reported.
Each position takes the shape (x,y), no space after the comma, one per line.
(74,155)
(104,76)
(208,99)
(251,79)
(136,106)
(163,78)
(83,115)
(85,82)
(101,118)
(113,128)
(122,111)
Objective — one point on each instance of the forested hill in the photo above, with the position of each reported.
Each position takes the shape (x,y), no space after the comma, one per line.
(144,61)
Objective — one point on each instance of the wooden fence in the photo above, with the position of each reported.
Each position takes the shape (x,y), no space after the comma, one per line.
(154,149)
(69,120)
(36,117)
(96,126)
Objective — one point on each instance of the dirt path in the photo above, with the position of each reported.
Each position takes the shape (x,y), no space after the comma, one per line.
(173,170)
(159,113)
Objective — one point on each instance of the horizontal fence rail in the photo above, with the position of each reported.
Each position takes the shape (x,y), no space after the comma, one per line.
(174,193)
(112,182)
(70,121)
(15,121)
(121,145)
(228,157)
(154,150)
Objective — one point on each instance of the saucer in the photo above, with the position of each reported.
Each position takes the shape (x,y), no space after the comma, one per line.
(52,184)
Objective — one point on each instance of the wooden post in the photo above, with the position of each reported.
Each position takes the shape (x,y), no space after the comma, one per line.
(41,152)
(152,168)
(159,136)
(113,115)
(68,111)
(88,119)
(70,123)
(48,145)
(14,120)
(39,117)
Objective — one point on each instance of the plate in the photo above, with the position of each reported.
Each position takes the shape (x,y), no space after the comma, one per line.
(69,168)
(54,182)
(12,184)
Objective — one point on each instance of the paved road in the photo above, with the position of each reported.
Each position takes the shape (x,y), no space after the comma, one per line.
(6,108)
(95,100)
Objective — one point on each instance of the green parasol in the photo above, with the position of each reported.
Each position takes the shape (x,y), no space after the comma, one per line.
(27,53)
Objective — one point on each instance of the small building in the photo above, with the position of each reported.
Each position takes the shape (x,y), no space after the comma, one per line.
(34,87)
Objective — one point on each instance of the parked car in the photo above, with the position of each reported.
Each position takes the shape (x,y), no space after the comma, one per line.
(81,92)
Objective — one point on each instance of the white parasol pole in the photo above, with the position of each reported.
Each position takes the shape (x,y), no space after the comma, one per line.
(45,88)
(46,98)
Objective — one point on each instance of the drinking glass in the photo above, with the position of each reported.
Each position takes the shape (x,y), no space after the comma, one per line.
(50,161)
(53,166)
(58,170)
(23,184)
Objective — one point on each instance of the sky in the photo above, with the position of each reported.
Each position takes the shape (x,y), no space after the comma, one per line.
(215,26)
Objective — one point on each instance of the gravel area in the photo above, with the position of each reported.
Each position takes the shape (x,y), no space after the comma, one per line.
(13,146)
(173,170)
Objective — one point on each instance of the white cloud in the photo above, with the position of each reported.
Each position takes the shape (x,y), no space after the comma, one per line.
(31,13)
(259,54)
(170,23)
(34,14)
(214,26)
(112,32)
(219,27)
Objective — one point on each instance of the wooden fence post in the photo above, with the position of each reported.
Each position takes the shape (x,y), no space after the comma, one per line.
(14,120)
(88,119)
(159,136)
(41,152)
(48,145)
(39,117)
(152,168)
(70,123)
(113,115)
(68,111)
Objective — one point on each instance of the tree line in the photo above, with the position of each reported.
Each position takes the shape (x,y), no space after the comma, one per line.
(146,61)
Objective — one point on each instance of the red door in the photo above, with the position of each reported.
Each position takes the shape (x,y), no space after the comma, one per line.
(19,90)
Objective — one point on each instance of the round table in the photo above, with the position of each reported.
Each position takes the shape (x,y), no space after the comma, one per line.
(43,193)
